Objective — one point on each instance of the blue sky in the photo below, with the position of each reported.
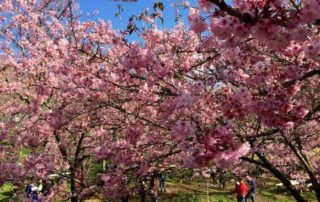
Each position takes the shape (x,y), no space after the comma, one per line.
(108,8)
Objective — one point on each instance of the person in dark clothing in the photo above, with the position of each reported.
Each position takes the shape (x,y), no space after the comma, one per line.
(252,189)
(142,189)
(162,179)
(151,181)
(213,173)
(45,188)
(222,179)
(29,190)
(32,191)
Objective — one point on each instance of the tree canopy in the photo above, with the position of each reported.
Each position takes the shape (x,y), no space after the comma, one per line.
(240,83)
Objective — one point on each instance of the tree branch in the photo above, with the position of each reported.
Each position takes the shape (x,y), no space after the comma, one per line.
(243,17)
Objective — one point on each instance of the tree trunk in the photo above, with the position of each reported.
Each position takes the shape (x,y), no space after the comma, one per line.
(293,191)
(74,198)
(317,190)
(74,195)
(74,169)
(278,174)
(286,182)
(305,163)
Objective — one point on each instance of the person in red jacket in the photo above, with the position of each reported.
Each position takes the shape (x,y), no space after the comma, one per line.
(242,190)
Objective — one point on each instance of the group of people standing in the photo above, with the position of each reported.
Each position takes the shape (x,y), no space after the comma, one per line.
(246,192)
(36,193)
(157,183)
(220,175)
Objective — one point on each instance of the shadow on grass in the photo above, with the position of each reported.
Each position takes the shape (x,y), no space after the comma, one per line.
(5,196)
(6,192)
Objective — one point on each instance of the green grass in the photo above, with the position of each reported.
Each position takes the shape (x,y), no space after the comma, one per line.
(6,192)
(267,193)
(175,188)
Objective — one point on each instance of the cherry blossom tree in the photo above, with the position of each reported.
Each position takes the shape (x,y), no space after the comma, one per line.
(76,92)
(67,101)
(269,71)
(57,92)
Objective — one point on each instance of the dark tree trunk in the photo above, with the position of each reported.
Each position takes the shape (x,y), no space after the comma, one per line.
(293,191)
(74,195)
(74,169)
(74,198)
(316,187)
(278,174)
(286,182)
(305,163)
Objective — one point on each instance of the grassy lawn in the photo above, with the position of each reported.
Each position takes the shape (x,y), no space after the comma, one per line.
(267,193)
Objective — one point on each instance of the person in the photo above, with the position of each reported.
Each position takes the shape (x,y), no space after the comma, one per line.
(252,189)
(35,192)
(32,191)
(213,173)
(222,179)
(157,181)
(162,179)
(29,189)
(45,188)
(242,190)
(142,189)
(154,186)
